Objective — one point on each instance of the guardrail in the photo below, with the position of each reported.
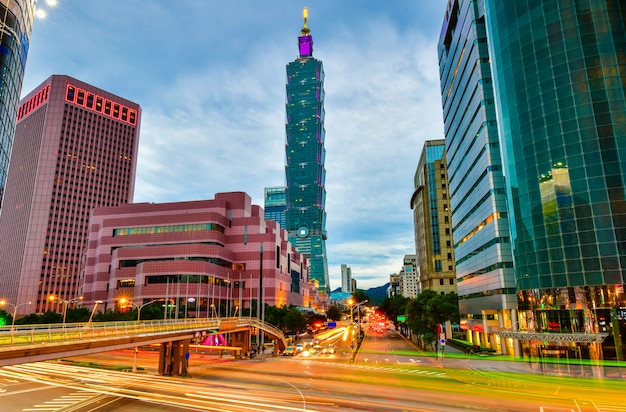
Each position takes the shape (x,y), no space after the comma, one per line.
(68,332)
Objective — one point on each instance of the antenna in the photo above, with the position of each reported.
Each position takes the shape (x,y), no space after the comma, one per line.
(305,30)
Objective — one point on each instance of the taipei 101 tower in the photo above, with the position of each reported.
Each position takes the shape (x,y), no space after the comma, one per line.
(305,215)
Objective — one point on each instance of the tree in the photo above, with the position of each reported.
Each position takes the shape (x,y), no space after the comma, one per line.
(334,313)
(359,296)
(295,321)
(429,309)
(394,306)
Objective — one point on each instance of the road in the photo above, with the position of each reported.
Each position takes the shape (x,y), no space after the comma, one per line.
(388,374)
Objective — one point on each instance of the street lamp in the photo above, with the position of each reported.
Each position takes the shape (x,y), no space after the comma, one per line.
(139,307)
(5,303)
(213,310)
(53,298)
(95,305)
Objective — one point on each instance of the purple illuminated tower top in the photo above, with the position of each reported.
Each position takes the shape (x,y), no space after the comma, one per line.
(305,42)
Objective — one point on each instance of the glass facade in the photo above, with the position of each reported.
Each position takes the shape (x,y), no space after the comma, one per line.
(305,215)
(561,76)
(477,190)
(275,204)
(16,18)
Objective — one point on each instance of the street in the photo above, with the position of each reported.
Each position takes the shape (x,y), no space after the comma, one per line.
(388,374)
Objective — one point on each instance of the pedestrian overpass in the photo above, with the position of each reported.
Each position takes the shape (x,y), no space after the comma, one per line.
(32,343)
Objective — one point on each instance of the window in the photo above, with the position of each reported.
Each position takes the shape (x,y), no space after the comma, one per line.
(441,282)
(451,280)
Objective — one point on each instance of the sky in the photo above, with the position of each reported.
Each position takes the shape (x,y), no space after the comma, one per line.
(210,78)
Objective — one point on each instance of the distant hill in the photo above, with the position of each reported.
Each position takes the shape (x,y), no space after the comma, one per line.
(376,295)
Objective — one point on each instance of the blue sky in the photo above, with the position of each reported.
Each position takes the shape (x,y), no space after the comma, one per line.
(210,77)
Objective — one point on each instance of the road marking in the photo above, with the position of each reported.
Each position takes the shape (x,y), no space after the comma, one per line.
(62,402)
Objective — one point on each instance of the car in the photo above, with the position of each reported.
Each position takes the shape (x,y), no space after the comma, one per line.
(299,347)
(290,351)
(328,349)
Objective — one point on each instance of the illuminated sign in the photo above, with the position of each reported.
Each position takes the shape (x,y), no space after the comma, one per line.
(100,104)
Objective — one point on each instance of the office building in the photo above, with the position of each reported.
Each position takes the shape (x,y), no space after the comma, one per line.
(476,186)
(555,74)
(305,156)
(275,204)
(559,76)
(16,18)
(408,276)
(205,258)
(75,149)
(346,279)
(432,223)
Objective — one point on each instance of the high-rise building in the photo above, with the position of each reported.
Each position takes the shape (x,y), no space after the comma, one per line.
(305,155)
(432,221)
(476,187)
(346,279)
(552,74)
(16,18)
(408,277)
(75,149)
(275,204)
(559,70)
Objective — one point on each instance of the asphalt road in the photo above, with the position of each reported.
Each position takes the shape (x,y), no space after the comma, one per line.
(387,374)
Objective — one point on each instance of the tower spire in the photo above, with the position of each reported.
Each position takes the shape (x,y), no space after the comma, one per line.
(305,14)
(305,41)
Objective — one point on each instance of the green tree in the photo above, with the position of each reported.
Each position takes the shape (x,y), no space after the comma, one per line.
(429,309)
(394,306)
(359,296)
(334,312)
(295,321)
(5,318)
(77,315)
(51,317)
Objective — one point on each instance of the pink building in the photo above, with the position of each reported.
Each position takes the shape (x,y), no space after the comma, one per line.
(75,149)
(206,257)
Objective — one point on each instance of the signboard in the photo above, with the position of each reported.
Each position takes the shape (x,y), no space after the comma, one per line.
(401,318)
(331,325)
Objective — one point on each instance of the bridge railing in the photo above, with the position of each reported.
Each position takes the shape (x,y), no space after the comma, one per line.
(56,332)
(42,333)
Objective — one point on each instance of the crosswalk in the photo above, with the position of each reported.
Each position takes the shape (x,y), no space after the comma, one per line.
(62,402)
(379,368)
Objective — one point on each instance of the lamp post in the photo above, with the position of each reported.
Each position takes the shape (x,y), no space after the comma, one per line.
(53,298)
(139,307)
(95,305)
(5,303)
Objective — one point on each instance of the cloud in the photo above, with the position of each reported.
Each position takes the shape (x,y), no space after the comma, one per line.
(210,77)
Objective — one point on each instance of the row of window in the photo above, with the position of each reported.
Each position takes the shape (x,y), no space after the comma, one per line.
(168,229)
(100,104)
(34,102)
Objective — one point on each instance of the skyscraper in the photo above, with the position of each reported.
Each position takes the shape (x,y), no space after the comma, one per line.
(346,279)
(431,219)
(552,73)
(305,155)
(559,70)
(75,149)
(476,187)
(16,18)
(275,204)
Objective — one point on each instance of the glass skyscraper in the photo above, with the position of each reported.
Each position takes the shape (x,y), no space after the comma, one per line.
(16,18)
(275,204)
(558,76)
(560,79)
(477,190)
(305,214)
